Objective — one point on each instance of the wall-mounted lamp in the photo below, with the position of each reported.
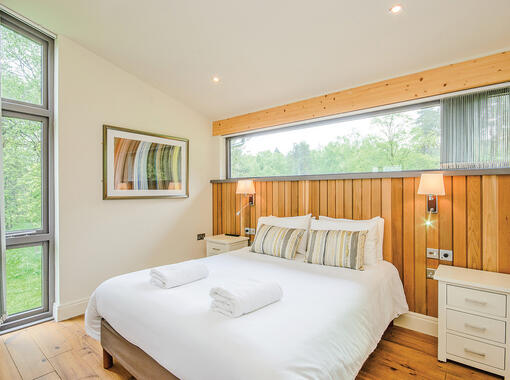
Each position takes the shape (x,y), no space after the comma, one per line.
(431,185)
(246,187)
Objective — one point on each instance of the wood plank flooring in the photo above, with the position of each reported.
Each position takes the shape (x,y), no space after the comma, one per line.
(52,351)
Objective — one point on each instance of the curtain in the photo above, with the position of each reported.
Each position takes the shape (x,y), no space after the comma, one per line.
(3,312)
(475,130)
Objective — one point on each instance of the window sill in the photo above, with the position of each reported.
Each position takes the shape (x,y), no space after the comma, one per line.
(397,174)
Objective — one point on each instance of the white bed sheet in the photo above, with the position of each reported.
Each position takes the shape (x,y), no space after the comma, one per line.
(325,327)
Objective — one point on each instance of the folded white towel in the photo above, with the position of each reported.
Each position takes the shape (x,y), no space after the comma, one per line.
(236,298)
(169,276)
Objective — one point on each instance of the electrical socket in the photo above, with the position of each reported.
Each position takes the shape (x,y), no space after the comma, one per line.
(430,273)
(200,236)
(249,231)
(446,255)
(432,253)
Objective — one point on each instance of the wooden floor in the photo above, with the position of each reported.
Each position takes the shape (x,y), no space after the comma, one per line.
(50,351)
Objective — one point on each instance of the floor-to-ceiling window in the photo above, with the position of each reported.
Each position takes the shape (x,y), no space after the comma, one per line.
(26,82)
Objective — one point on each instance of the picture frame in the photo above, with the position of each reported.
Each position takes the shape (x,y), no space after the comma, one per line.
(142,165)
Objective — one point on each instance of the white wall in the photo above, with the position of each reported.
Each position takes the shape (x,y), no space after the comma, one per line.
(96,238)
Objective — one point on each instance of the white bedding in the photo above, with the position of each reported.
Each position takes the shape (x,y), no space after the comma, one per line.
(326,325)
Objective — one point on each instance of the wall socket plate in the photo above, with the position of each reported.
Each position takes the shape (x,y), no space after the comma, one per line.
(200,236)
(249,231)
(446,255)
(430,273)
(432,253)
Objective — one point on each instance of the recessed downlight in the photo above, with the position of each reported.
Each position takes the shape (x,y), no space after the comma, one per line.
(396,9)
(216,79)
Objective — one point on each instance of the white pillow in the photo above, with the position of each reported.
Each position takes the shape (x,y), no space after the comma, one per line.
(300,222)
(380,222)
(373,243)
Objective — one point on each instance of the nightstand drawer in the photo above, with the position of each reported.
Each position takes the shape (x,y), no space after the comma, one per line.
(476,300)
(475,325)
(217,248)
(213,249)
(475,351)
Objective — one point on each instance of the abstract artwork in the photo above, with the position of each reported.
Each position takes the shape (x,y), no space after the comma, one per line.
(143,165)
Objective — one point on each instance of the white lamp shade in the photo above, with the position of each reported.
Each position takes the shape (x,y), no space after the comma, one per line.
(245,186)
(432,184)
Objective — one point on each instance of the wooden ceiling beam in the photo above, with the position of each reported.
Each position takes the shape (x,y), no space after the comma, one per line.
(442,80)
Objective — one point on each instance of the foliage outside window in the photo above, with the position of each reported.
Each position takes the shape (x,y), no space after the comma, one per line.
(394,141)
(22,173)
(25,128)
(22,67)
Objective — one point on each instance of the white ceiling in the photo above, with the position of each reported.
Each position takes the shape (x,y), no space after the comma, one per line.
(271,52)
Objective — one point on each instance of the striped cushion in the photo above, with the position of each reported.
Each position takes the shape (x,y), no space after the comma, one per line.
(277,241)
(337,248)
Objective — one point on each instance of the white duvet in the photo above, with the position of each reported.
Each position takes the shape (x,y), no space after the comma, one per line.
(325,327)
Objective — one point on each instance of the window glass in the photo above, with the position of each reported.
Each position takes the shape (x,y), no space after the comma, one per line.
(21,66)
(401,140)
(22,164)
(26,64)
(23,278)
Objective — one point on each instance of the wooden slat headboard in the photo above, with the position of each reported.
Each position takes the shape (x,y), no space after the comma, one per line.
(473,220)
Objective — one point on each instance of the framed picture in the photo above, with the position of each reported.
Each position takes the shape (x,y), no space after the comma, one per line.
(144,165)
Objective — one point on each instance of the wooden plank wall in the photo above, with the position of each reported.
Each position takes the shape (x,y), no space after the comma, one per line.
(473,220)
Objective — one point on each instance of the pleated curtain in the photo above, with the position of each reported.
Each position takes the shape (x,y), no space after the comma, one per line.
(475,130)
(3,312)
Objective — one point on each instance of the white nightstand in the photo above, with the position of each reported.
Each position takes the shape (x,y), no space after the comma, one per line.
(222,243)
(473,318)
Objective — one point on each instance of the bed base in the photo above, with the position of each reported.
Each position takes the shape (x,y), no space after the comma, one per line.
(138,363)
(132,358)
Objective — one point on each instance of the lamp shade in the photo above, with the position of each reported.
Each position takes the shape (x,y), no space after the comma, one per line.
(432,184)
(245,186)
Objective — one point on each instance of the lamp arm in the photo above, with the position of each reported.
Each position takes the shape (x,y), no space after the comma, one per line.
(242,208)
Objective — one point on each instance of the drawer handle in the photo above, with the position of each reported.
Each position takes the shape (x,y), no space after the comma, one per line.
(468,351)
(472,327)
(216,249)
(482,303)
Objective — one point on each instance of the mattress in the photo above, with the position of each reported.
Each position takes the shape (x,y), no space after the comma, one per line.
(326,325)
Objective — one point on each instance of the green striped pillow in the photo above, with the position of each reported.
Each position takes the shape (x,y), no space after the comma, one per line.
(337,248)
(277,241)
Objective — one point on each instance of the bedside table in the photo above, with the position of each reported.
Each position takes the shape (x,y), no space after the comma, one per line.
(473,318)
(222,243)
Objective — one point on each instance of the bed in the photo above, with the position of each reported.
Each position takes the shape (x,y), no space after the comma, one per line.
(329,321)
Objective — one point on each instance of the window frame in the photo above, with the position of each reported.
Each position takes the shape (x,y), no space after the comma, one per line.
(316,123)
(45,236)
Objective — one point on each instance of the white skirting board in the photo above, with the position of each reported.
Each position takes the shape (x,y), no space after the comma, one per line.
(70,309)
(417,322)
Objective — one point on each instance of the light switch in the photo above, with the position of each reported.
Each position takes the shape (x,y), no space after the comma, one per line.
(432,253)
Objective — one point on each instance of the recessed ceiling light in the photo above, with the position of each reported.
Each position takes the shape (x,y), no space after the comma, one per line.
(396,9)
(216,79)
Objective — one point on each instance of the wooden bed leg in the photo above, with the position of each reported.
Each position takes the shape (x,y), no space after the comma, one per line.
(107,360)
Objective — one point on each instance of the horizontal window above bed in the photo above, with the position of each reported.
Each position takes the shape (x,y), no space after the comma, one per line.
(464,131)
(401,139)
